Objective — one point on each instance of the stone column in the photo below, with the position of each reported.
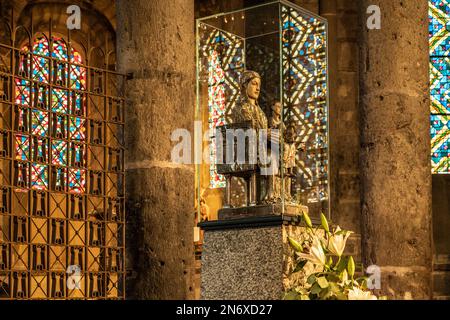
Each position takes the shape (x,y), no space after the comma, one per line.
(156,48)
(395,147)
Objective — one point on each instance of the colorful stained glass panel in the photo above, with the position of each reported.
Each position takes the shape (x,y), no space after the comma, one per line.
(305,97)
(439,37)
(217,106)
(77,180)
(39,177)
(59,49)
(57,101)
(23,96)
(59,152)
(41,65)
(22,147)
(440,85)
(77,77)
(438,27)
(60,101)
(440,143)
(77,128)
(39,123)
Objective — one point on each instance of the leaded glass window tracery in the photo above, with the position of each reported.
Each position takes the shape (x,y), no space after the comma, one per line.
(216,93)
(65,126)
(61,172)
(439,41)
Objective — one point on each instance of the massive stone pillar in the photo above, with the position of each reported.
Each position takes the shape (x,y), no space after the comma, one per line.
(395,147)
(156,48)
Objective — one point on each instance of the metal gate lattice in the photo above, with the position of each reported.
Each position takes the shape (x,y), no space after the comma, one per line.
(62,222)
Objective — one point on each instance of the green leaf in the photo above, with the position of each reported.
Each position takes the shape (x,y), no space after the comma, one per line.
(342,264)
(291,295)
(311,279)
(297,246)
(316,289)
(341,296)
(324,221)
(322,282)
(333,277)
(299,266)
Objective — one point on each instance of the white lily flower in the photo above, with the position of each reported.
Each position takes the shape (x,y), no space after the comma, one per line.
(358,294)
(316,254)
(337,242)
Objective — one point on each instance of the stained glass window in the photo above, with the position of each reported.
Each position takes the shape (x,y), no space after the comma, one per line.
(52,116)
(224,66)
(216,94)
(439,37)
(305,98)
(61,170)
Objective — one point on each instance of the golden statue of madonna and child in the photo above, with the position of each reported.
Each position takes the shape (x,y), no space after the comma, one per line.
(268,182)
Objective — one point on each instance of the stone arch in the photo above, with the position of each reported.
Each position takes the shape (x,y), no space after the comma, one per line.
(97,23)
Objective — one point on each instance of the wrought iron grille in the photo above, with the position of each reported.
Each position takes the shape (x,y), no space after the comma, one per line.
(62,222)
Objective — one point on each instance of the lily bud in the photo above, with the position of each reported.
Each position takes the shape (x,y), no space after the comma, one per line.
(297,246)
(324,221)
(344,276)
(307,220)
(351,267)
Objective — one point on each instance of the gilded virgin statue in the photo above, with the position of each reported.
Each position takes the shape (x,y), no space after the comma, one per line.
(248,108)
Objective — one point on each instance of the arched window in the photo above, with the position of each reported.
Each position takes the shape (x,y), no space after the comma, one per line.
(439,36)
(56,121)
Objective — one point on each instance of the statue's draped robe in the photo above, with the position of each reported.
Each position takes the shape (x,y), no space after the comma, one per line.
(246,111)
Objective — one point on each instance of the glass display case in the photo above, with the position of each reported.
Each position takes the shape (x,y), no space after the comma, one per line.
(262,68)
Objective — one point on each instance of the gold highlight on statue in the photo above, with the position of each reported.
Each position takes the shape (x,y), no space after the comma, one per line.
(248,109)
(268,188)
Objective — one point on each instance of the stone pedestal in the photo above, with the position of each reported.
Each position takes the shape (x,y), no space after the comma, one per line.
(261,210)
(247,258)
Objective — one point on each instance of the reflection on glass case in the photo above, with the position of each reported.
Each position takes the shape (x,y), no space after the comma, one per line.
(262,81)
